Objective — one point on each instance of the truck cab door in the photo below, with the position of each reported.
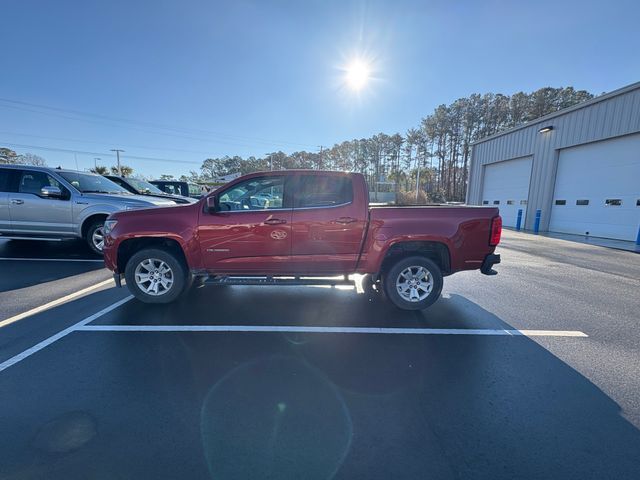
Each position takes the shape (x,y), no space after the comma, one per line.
(329,222)
(34,213)
(251,232)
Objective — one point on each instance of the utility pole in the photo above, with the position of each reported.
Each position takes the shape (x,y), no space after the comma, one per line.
(117,150)
(320,162)
(95,162)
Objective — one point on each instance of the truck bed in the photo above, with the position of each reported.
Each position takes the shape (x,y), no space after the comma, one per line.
(465,230)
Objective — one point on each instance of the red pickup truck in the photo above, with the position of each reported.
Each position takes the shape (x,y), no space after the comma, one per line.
(298,227)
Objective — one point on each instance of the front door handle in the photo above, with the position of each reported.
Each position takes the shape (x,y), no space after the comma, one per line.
(346,220)
(17,201)
(275,221)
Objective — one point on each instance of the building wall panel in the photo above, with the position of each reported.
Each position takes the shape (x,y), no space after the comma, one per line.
(608,116)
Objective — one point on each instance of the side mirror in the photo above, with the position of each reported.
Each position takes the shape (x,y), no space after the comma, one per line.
(51,192)
(212,204)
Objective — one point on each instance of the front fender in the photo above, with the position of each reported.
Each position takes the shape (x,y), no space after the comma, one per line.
(85,211)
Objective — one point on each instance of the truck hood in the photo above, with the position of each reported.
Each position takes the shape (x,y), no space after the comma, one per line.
(167,196)
(161,211)
(132,200)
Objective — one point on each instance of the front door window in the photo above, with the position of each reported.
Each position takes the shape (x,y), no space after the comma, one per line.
(265,193)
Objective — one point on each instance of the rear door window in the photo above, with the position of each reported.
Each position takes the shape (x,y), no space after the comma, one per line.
(323,191)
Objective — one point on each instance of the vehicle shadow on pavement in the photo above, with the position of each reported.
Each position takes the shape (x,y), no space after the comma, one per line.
(282,405)
(301,306)
(70,249)
(16,274)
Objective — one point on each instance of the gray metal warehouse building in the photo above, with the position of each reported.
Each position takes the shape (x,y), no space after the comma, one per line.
(578,168)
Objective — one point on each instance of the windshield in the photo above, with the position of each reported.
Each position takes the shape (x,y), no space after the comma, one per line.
(88,183)
(144,186)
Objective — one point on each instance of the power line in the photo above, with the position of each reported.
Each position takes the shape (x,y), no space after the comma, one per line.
(17,104)
(144,147)
(102,122)
(84,152)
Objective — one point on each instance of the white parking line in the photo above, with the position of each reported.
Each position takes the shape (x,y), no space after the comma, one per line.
(63,333)
(54,303)
(82,326)
(294,329)
(51,259)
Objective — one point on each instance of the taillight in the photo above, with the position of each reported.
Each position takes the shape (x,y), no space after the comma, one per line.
(496,231)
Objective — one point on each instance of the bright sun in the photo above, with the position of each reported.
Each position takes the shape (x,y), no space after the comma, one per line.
(357,74)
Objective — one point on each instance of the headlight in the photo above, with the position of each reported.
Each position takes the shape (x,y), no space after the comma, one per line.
(109,225)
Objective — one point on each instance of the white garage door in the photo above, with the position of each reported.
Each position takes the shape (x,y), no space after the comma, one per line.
(597,189)
(506,185)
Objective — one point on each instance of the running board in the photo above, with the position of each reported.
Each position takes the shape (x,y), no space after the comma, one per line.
(286,281)
(46,239)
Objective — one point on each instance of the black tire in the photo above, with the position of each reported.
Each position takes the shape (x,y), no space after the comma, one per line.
(434,279)
(178,276)
(95,226)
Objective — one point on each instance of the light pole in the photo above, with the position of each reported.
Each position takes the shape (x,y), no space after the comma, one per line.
(95,162)
(117,150)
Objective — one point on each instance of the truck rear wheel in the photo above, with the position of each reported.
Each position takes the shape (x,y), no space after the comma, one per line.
(413,283)
(155,276)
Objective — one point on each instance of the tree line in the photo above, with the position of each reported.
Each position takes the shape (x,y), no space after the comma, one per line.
(10,157)
(429,162)
(434,156)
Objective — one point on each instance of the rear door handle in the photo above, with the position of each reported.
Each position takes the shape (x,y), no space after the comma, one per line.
(17,201)
(346,220)
(275,221)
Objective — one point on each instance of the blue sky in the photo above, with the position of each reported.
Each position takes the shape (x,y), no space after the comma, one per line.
(250,77)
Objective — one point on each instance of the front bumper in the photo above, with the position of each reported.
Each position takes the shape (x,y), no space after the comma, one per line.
(110,254)
(489,261)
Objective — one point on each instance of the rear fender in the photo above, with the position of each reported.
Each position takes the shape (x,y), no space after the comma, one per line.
(437,248)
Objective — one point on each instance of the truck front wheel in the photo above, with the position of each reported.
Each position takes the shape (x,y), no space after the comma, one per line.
(413,283)
(95,236)
(155,276)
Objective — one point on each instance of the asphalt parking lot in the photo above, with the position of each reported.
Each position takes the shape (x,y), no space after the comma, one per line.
(308,382)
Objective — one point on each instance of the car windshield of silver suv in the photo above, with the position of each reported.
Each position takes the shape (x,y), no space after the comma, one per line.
(93,183)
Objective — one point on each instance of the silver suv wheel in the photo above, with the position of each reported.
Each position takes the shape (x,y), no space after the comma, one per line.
(97,238)
(154,277)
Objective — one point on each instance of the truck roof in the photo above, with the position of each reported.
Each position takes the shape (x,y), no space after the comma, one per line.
(297,171)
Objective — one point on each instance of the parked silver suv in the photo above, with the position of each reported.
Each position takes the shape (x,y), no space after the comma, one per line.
(39,203)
